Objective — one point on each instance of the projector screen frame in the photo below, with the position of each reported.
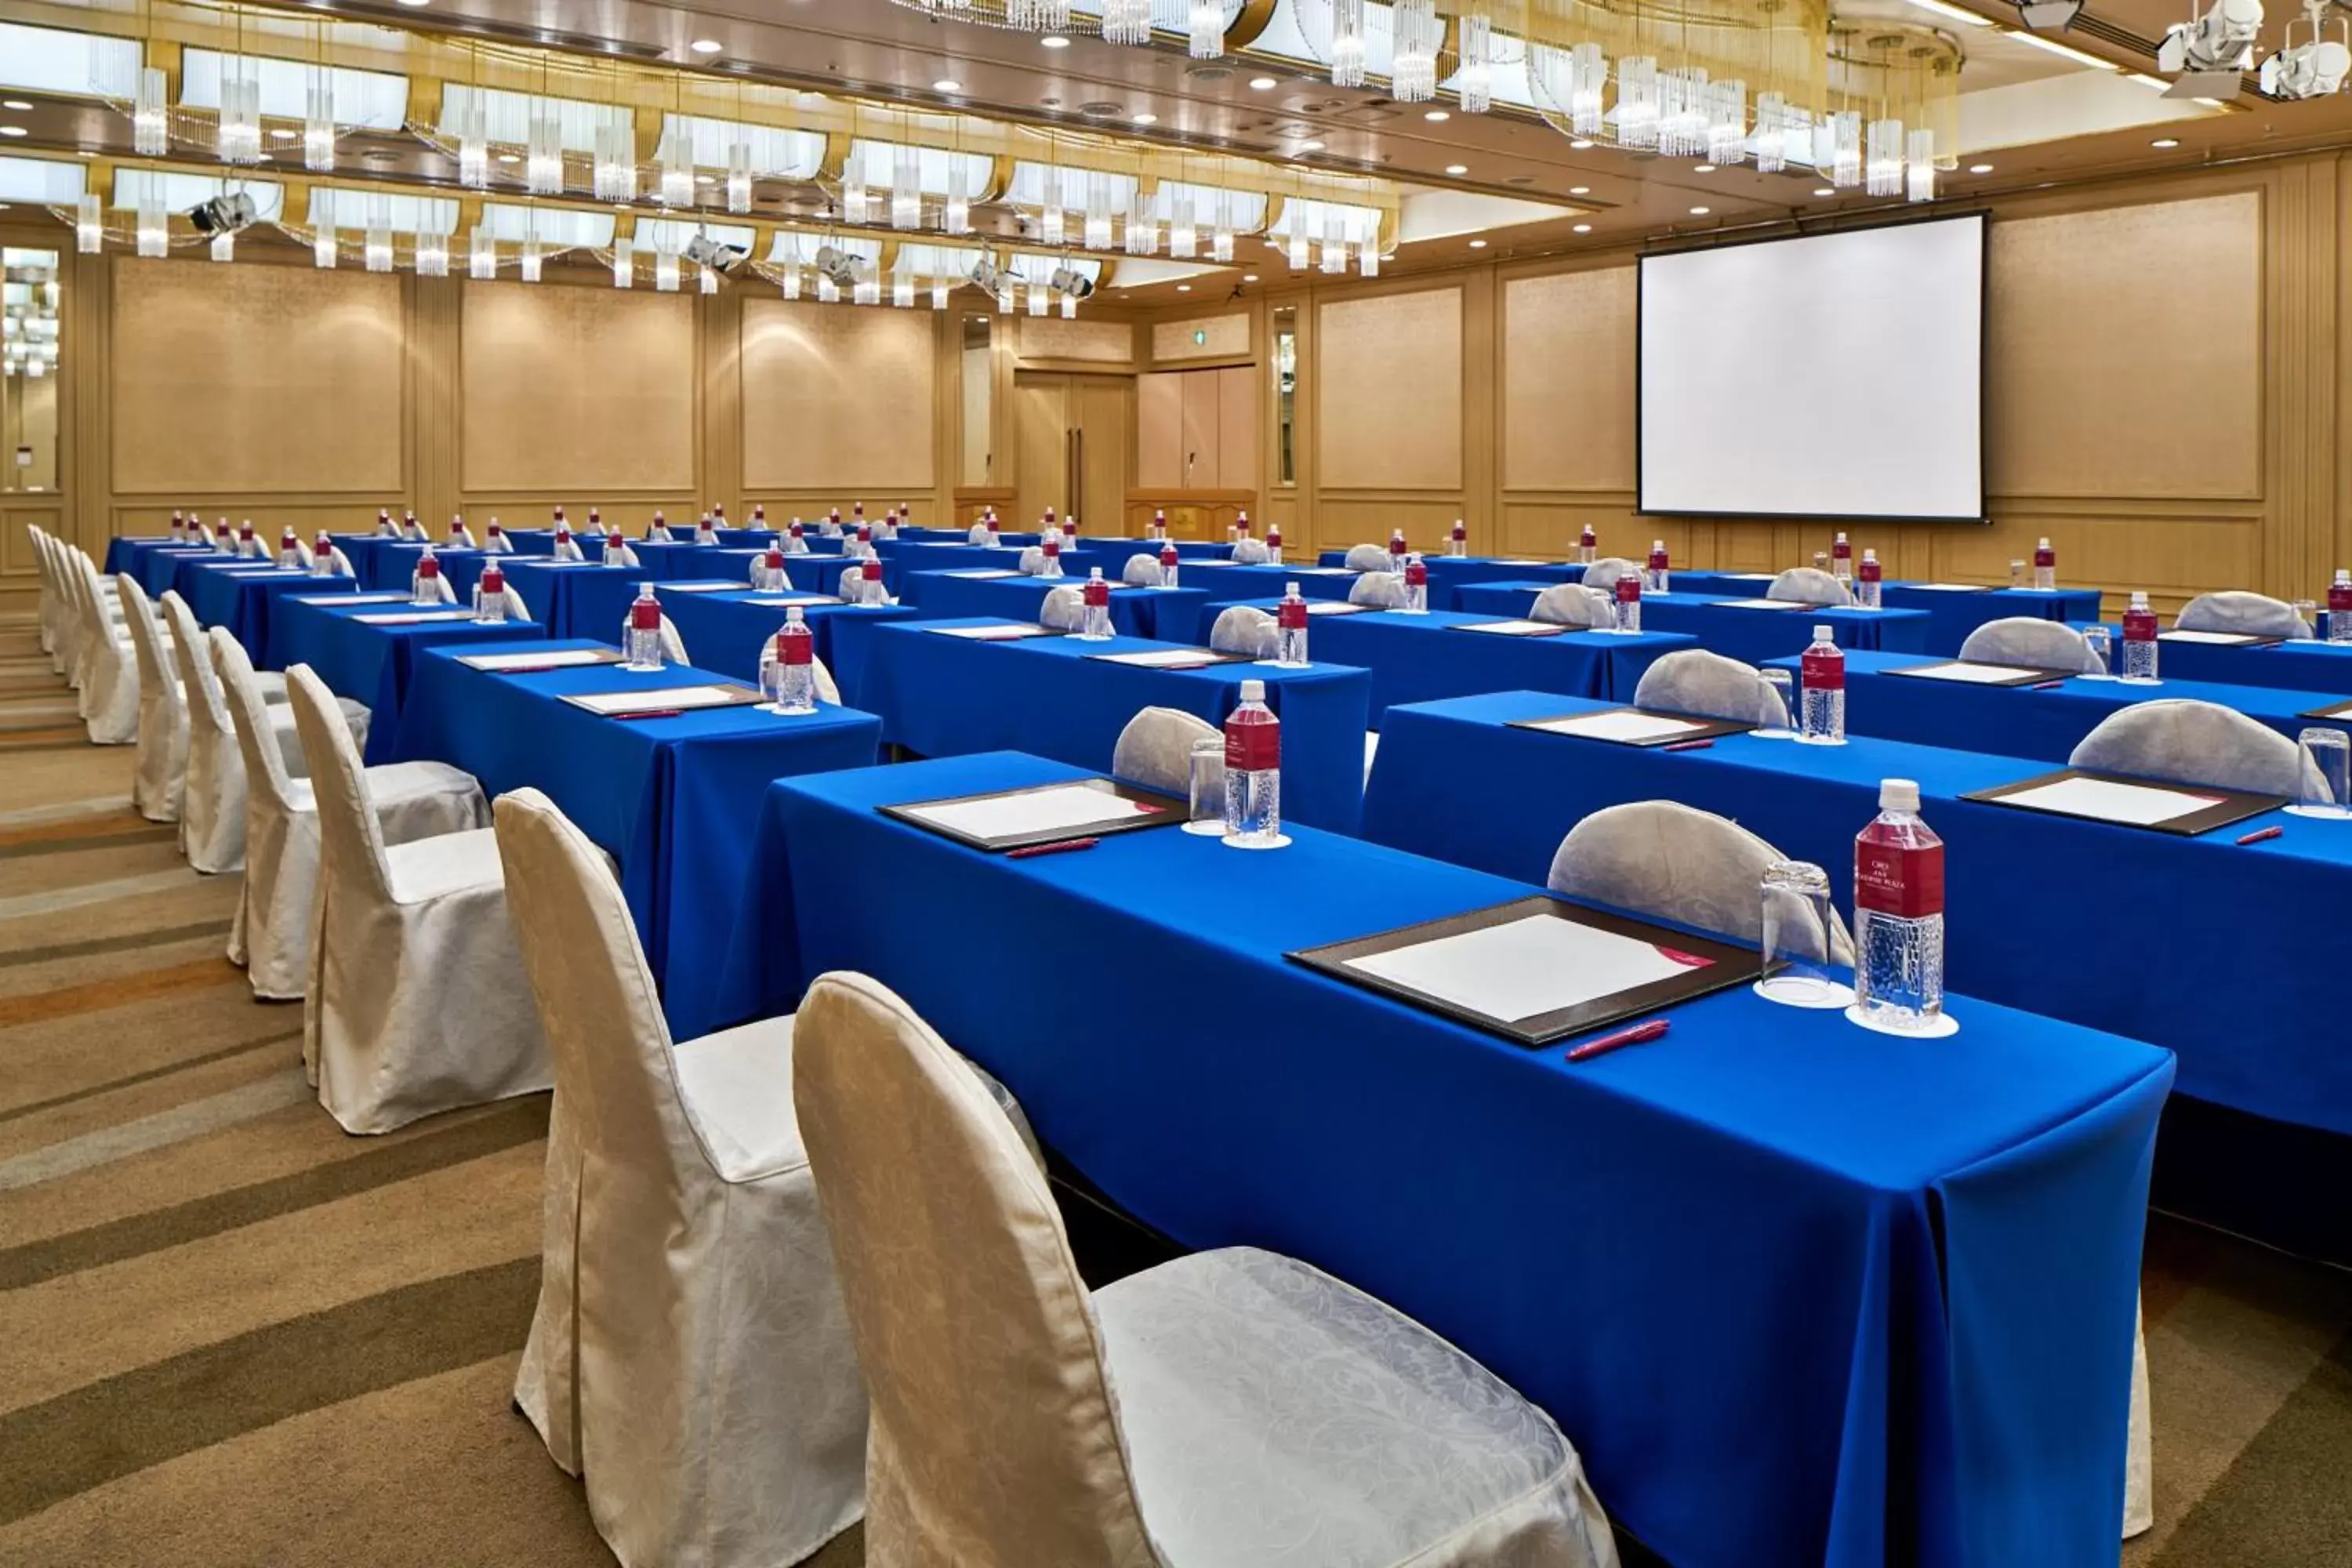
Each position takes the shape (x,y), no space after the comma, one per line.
(1815,229)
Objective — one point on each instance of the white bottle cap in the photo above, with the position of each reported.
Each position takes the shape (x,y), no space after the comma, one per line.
(1822,634)
(1870,555)
(1290,589)
(1898,795)
(1095,575)
(1252,691)
(2139,600)
(2046,543)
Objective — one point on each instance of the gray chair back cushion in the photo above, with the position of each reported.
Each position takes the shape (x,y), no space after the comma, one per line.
(1572,604)
(1155,749)
(1671,862)
(2257,614)
(1384,590)
(1809,585)
(1603,573)
(1243,629)
(2184,742)
(2030,641)
(1696,681)
(1368,558)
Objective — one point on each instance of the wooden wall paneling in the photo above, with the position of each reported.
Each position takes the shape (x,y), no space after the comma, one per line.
(1388,391)
(1237,422)
(838,398)
(1566,350)
(1106,424)
(1481,416)
(2301,353)
(1089,342)
(1226,336)
(722,440)
(1160,430)
(1196,459)
(435,484)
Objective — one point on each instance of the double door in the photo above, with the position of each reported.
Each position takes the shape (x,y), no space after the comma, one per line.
(1074,436)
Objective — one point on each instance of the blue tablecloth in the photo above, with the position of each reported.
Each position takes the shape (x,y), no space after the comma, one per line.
(906,566)
(1414,659)
(2017,722)
(1732,629)
(373,664)
(390,563)
(1955,613)
(725,632)
(218,595)
(1167,613)
(2308,665)
(2142,933)
(1228,584)
(671,799)
(151,562)
(1800,1294)
(944,696)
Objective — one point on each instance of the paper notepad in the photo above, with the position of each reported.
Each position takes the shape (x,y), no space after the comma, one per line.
(1520,561)
(1744,576)
(1333,607)
(1042,815)
(1523,969)
(982,573)
(350,598)
(1514,628)
(412,618)
(2106,800)
(622,704)
(1950,587)
(1166,659)
(1625,725)
(990,634)
(1980,674)
(1322,571)
(540,659)
(2224,639)
(806,601)
(1764,605)
(715,585)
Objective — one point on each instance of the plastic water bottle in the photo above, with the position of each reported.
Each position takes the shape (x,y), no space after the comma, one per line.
(2140,641)
(641,632)
(996,533)
(1158,523)
(1841,559)
(410,529)
(1416,585)
(2045,566)
(458,537)
(1240,524)
(384,527)
(424,587)
(1658,568)
(768,574)
(718,514)
(1625,608)
(1396,550)
(1051,546)
(1868,590)
(658,530)
(758,514)
(1094,623)
(706,532)
(856,514)
(1253,771)
(490,596)
(493,539)
(791,675)
(794,541)
(1588,546)
(595,521)
(1290,619)
(1168,559)
(1274,544)
(831,529)
(1457,543)
(870,590)
(1070,527)
(1821,674)
(863,548)
(322,555)
(289,549)
(2339,607)
(246,544)
(1898,914)
(615,549)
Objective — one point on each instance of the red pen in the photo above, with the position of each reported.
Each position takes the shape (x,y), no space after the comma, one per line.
(654,713)
(1639,1033)
(2262,833)
(1698,745)
(1057,848)
(2045,686)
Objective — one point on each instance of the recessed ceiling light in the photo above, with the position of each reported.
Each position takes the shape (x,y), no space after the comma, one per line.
(2166,142)
(1478,245)
(1702,168)
(946,84)
(508,158)
(282,133)
(1263,83)
(1584,229)
(704,46)
(1579,145)
(1249,276)
(1147,118)
(1824,191)
(12,130)
(1436,114)
(86,152)
(1967,18)
(1457,168)
(414,4)
(705,179)
(1579,190)
(1310,146)
(16,103)
(1183,288)
(1699,212)
(2064,52)
(1055,41)
(1979,168)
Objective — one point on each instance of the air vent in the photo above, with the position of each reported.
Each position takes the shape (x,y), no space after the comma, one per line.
(1209,73)
(1520,180)
(1099,109)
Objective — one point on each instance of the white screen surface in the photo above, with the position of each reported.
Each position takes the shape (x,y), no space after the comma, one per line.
(1831,375)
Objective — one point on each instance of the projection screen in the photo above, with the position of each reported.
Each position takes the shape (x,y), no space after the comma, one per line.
(1834,375)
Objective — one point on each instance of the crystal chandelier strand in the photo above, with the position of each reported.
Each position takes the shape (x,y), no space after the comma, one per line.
(1347,43)
(319,122)
(1919,167)
(543,149)
(1638,103)
(431,255)
(624,264)
(239,137)
(482,262)
(1882,158)
(1413,68)
(150,121)
(154,228)
(325,251)
(1476,80)
(738,176)
(1206,31)
(224,245)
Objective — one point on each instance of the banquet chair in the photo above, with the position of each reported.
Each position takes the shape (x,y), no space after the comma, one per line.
(110,691)
(1809,585)
(2031,642)
(442,589)
(1142,571)
(1603,573)
(2191,742)
(212,802)
(2257,614)
(1065,610)
(1712,686)
(626,554)
(673,646)
(1155,749)
(1032,561)
(411,1006)
(161,772)
(1243,628)
(46,580)
(339,565)
(566,550)
(511,596)
(1253,551)
(1367,558)
(1664,860)
(461,536)
(827,690)
(976,535)
(1572,605)
(1381,590)
(271,933)
(1191,1415)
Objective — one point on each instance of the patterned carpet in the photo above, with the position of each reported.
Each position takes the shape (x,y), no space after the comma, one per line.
(230,1334)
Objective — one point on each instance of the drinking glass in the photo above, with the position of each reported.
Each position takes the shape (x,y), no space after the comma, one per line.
(2101,644)
(1800,923)
(2307,611)
(2017,574)
(1205,772)
(2326,774)
(1776,707)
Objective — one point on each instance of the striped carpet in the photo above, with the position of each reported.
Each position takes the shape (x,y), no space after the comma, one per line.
(231,1335)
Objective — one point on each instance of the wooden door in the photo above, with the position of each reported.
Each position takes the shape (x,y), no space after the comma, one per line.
(1075,439)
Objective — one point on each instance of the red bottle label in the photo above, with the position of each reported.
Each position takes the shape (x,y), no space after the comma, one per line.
(1052,547)
(563,536)
(1460,532)
(2339,599)
(1273,537)
(1098,593)
(1629,590)
(1890,879)
(1657,559)
(1291,614)
(494,582)
(1416,575)
(775,560)
(1841,551)
(2045,558)
(646,615)
(1252,747)
(428,567)
(874,570)
(1168,556)
(1824,670)
(2139,626)
(1870,570)
(791,649)
(1588,539)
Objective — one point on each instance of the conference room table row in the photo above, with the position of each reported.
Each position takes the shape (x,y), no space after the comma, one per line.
(1801,1293)
(2304,664)
(1751,630)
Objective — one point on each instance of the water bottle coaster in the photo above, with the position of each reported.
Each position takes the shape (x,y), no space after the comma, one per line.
(1944,1025)
(1820,740)
(1207,828)
(1822,997)
(1280,841)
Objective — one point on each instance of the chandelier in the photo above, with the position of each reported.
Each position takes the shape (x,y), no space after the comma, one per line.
(1202,24)
(1894,92)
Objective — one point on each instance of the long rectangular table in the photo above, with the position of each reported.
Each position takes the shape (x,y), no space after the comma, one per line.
(238,596)
(1227,584)
(726,632)
(2147,934)
(370,663)
(1728,627)
(1167,613)
(942,696)
(2021,721)
(151,561)
(2304,665)
(1955,610)
(907,567)
(1800,1294)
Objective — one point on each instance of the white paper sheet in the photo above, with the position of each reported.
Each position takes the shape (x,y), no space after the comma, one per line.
(1514,628)
(1520,561)
(989,634)
(1764,605)
(1164,659)
(412,618)
(2140,805)
(982,573)
(1189,566)
(547,561)
(1950,587)
(2227,639)
(655,702)
(543,658)
(1525,968)
(711,585)
(781,600)
(1323,571)
(1056,809)
(1332,607)
(1971,674)
(1623,724)
(350,598)
(1745,577)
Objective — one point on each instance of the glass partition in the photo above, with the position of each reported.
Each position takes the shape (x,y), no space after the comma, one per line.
(1286,393)
(31,294)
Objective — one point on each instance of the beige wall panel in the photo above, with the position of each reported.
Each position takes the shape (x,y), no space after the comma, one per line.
(1344,521)
(575,390)
(256,379)
(835,397)
(1237,422)
(1568,381)
(1224,336)
(1160,430)
(1388,374)
(1196,463)
(1092,339)
(2126,350)
(976,391)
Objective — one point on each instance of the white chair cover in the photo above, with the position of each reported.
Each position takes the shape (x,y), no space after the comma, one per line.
(826,689)
(1142,571)
(2030,641)
(1710,685)
(1253,551)
(441,588)
(567,550)
(2257,614)
(161,774)
(412,800)
(778,581)
(2191,742)
(1065,610)
(1189,1416)
(673,644)
(511,596)
(689,1356)
(413,1005)
(109,692)
(1572,604)
(1243,629)
(1032,560)
(1809,585)
(1368,558)
(976,535)
(621,554)
(342,562)
(498,543)
(1155,749)
(1384,590)
(1602,574)
(1666,861)
(212,803)
(47,580)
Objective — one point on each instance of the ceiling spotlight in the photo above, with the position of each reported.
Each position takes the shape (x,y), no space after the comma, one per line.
(2206,54)
(1055,41)
(282,133)
(508,158)
(1249,276)
(1584,229)
(1072,282)
(1457,168)
(16,103)
(1824,191)
(704,46)
(415,5)
(1700,212)
(1436,114)
(2315,68)
(1702,168)
(1478,245)
(223,215)
(1263,83)
(845,269)
(12,130)
(1579,145)
(2056,14)
(707,252)
(1183,288)
(1979,168)
(946,84)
